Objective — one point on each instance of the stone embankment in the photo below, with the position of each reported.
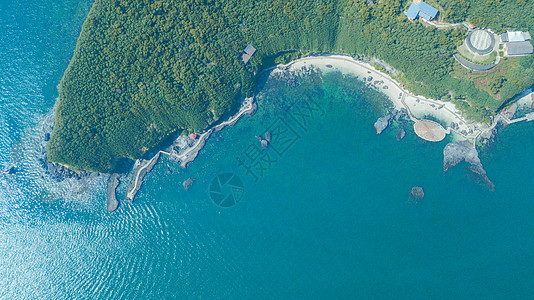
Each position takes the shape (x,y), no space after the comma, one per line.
(140,169)
(111,196)
(183,150)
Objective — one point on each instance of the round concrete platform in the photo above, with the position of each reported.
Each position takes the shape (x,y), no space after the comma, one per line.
(429,130)
(480,41)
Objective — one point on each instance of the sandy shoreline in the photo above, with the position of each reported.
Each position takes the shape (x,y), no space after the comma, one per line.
(418,106)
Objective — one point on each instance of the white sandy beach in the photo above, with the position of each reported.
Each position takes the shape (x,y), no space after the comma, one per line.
(418,106)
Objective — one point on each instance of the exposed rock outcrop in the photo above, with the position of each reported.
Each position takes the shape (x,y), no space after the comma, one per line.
(111,196)
(381,124)
(456,152)
(417,193)
(268,136)
(400,134)
(187,184)
(264,142)
(397,115)
(60,173)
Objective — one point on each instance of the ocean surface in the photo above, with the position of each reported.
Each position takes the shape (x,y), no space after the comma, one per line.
(323,213)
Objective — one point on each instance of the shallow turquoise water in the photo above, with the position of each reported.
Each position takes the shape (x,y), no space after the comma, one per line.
(324,213)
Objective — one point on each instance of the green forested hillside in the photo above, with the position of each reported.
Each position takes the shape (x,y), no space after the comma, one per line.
(145,69)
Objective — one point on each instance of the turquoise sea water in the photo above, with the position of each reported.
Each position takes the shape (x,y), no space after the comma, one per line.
(323,213)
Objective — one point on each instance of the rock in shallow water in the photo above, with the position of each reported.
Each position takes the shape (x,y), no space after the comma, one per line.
(187,184)
(111,196)
(268,136)
(417,193)
(400,134)
(381,124)
(456,152)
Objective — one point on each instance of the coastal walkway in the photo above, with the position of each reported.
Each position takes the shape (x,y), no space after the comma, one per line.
(529,117)
(248,107)
(472,66)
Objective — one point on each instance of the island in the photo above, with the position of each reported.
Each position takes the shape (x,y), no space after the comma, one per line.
(144,72)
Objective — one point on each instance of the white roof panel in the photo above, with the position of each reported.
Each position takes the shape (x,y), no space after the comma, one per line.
(515,36)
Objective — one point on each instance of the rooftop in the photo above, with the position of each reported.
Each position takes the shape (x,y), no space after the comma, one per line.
(250,50)
(519,48)
(480,41)
(247,53)
(515,36)
(428,12)
(424,11)
(413,11)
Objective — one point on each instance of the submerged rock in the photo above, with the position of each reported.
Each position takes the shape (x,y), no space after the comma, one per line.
(268,136)
(400,115)
(400,134)
(416,193)
(456,152)
(381,124)
(187,184)
(264,144)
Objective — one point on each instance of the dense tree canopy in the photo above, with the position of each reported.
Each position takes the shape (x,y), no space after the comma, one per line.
(144,69)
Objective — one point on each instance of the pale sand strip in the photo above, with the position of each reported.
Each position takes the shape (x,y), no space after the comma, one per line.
(417,106)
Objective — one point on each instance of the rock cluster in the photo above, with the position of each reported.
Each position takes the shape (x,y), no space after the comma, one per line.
(456,152)
(264,142)
(510,111)
(382,123)
(400,134)
(60,173)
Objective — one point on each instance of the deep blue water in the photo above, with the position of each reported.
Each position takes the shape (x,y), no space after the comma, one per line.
(323,213)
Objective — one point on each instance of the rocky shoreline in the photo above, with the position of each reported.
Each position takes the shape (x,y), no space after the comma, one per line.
(184,150)
(141,167)
(398,116)
(456,152)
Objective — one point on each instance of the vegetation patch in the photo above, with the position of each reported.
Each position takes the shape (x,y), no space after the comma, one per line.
(143,70)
